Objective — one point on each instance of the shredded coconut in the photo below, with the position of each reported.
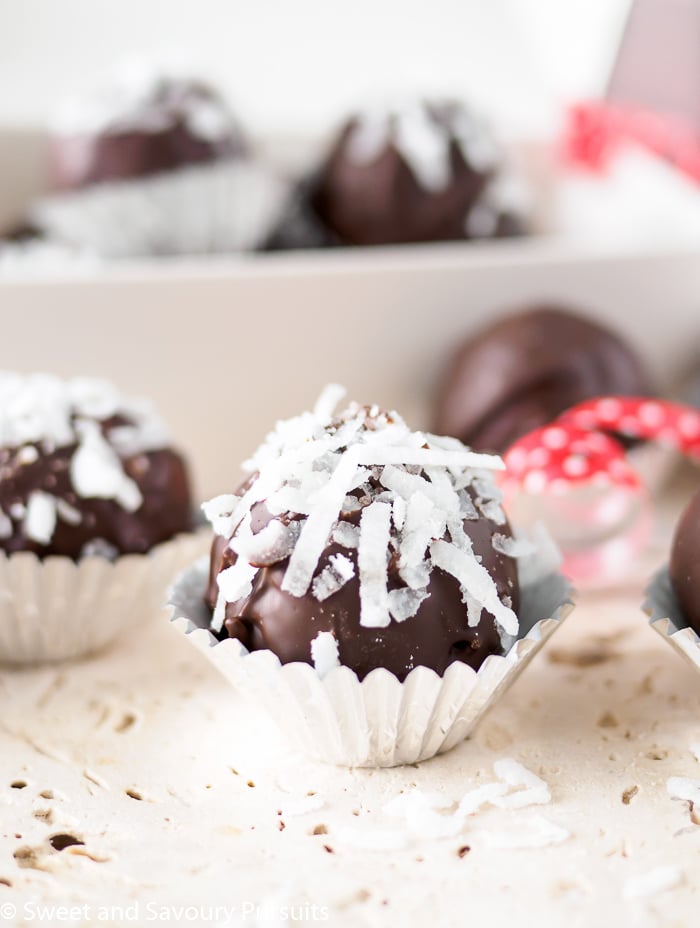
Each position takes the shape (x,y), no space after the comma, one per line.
(656,881)
(96,470)
(683,788)
(333,577)
(324,653)
(533,832)
(346,534)
(303,806)
(512,547)
(513,773)
(40,519)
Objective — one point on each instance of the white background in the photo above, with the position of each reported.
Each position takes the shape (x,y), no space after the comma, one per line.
(294,66)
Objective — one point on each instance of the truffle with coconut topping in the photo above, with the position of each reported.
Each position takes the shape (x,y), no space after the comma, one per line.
(357,541)
(84,469)
(145,123)
(422,173)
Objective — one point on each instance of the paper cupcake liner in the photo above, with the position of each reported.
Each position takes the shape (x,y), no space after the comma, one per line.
(379,722)
(666,617)
(222,207)
(57,609)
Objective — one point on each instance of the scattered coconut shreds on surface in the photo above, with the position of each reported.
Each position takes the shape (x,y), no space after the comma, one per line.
(324,653)
(513,773)
(422,816)
(659,880)
(683,788)
(476,798)
(695,750)
(364,482)
(332,578)
(434,815)
(533,832)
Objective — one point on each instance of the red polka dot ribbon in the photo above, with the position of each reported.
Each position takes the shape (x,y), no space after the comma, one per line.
(595,131)
(580,447)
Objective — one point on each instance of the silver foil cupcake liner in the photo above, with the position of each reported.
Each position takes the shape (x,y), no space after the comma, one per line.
(57,609)
(222,207)
(667,619)
(379,721)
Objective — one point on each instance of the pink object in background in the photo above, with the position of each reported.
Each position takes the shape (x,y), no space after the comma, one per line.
(577,479)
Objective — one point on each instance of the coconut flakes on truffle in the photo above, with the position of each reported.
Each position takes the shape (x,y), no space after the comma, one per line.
(324,653)
(41,413)
(365,482)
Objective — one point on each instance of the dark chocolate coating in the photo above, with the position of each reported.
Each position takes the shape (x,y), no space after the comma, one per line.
(435,637)
(160,475)
(524,370)
(120,153)
(684,567)
(381,202)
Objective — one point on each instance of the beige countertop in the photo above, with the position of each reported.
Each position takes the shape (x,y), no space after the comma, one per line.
(176,786)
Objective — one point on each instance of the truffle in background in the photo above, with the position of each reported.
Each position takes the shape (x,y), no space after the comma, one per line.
(429,172)
(156,164)
(684,567)
(139,127)
(525,369)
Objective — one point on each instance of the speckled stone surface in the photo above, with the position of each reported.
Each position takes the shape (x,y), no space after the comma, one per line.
(185,798)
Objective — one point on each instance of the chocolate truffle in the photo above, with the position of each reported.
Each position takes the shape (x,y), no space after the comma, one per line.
(427,173)
(684,567)
(142,126)
(84,470)
(356,541)
(524,370)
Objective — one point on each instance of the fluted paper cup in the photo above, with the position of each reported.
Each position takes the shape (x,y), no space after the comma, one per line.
(380,721)
(56,609)
(666,617)
(224,207)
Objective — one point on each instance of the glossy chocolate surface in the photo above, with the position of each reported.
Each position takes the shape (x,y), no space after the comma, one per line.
(435,637)
(524,370)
